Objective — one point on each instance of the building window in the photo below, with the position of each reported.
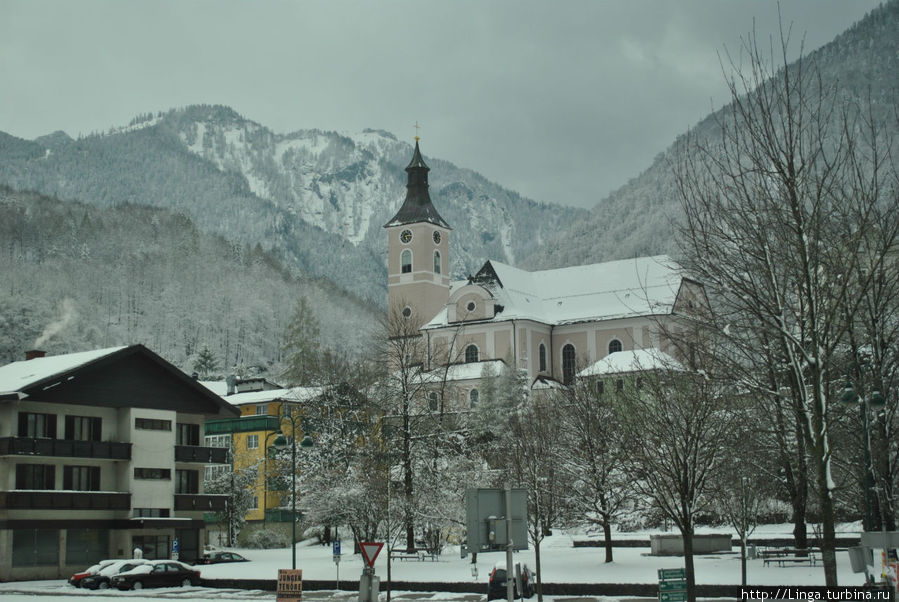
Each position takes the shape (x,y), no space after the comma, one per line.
(436,262)
(432,401)
(255,505)
(188,434)
(87,545)
(600,387)
(153,547)
(470,306)
(83,428)
(152,424)
(406,261)
(37,425)
(218,441)
(35,476)
(159,474)
(213,472)
(81,478)
(262,409)
(614,346)
(473,398)
(471,354)
(619,385)
(541,352)
(35,547)
(252,441)
(187,481)
(568,363)
(407,311)
(150,512)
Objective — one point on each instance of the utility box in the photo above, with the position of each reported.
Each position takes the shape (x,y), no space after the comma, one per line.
(860,558)
(485,519)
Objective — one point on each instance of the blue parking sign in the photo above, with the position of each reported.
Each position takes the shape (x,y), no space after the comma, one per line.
(335,546)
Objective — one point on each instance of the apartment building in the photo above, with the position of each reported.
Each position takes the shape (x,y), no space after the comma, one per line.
(100,453)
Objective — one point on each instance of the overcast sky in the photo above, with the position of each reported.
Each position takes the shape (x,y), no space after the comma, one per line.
(562,101)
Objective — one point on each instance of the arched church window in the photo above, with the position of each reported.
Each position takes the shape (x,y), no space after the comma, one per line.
(471,354)
(436,262)
(568,363)
(541,351)
(406,261)
(473,396)
(614,346)
(432,401)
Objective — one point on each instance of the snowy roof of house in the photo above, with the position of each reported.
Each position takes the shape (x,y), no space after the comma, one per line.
(638,360)
(460,372)
(600,291)
(294,395)
(19,375)
(219,387)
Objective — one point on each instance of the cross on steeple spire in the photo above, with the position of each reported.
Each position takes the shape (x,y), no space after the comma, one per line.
(416,130)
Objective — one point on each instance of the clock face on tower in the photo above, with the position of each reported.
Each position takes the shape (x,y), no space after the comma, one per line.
(436,237)
(406,236)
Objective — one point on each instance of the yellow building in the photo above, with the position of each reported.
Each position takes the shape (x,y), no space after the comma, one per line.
(264,409)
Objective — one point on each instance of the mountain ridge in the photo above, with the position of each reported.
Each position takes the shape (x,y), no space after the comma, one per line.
(317,199)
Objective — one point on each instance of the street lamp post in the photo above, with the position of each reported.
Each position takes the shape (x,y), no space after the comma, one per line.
(281,443)
(876,402)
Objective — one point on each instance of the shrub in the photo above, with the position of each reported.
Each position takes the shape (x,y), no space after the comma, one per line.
(266,540)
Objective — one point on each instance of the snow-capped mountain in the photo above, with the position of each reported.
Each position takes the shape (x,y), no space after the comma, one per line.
(318,199)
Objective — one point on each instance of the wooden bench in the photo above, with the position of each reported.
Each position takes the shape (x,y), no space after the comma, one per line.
(420,555)
(788,556)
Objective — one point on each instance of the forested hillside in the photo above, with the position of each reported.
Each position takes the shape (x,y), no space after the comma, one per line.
(78,277)
(319,199)
(640,218)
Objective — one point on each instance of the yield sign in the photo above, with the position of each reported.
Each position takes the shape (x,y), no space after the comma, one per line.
(370,551)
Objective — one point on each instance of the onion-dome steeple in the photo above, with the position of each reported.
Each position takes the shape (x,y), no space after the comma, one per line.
(417,207)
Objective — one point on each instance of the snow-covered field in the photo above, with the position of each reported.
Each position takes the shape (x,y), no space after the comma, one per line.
(561,563)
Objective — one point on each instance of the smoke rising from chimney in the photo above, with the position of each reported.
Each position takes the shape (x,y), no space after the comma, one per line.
(68,314)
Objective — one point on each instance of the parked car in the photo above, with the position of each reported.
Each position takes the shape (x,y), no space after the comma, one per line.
(156,573)
(496,585)
(216,557)
(100,580)
(77,578)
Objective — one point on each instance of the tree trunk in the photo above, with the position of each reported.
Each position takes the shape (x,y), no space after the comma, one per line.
(607,533)
(687,536)
(743,562)
(537,569)
(828,538)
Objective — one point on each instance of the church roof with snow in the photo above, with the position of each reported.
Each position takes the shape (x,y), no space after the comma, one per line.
(644,286)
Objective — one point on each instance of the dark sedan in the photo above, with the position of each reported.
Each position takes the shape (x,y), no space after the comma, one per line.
(217,557)
(157,573)
(101,579)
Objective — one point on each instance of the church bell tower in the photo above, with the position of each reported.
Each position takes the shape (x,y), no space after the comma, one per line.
(418,280)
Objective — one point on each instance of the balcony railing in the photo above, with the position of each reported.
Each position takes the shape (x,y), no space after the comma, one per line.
(65,448)
(64,500)
(202,455)
(203,502)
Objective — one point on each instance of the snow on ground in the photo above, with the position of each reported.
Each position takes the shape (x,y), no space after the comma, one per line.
(561,563)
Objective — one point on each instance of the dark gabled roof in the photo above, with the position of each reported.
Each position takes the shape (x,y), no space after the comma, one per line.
(417,207)
(130,376)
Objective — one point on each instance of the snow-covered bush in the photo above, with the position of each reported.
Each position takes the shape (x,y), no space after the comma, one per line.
(265,540)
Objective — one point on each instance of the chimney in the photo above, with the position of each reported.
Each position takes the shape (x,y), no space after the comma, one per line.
(34,353)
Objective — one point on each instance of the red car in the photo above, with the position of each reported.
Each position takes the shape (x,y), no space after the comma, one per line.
(92,570)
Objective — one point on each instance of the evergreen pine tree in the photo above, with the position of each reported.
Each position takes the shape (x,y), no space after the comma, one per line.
(301,346)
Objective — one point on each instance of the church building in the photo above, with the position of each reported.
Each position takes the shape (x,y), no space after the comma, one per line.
(550,324)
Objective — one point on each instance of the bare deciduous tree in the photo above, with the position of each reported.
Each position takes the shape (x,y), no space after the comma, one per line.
(778,210)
